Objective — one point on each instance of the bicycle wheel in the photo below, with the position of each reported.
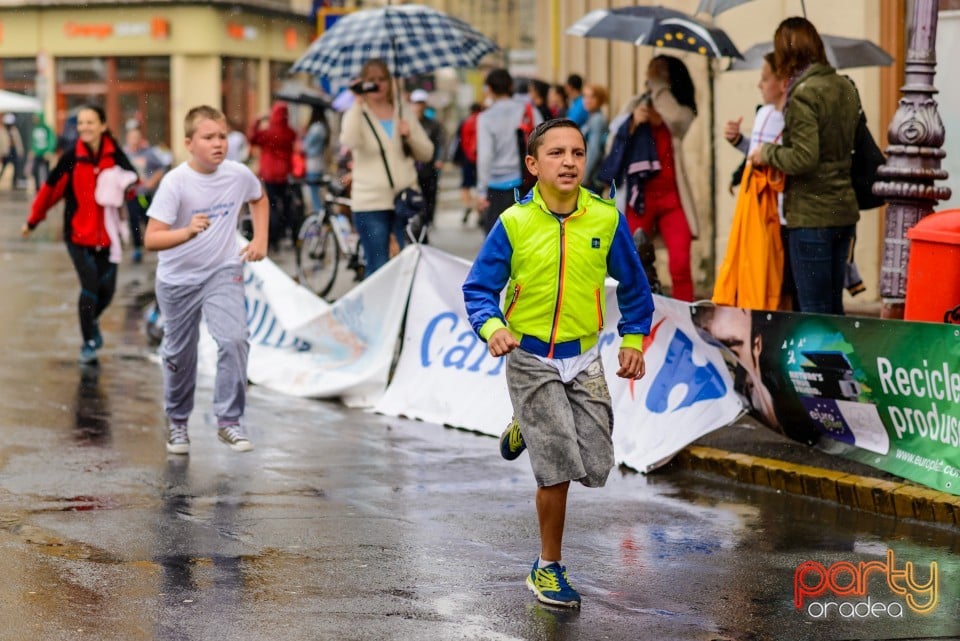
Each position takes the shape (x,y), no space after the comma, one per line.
(318,255)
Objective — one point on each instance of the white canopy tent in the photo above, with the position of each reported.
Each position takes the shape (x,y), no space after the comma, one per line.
(11,101)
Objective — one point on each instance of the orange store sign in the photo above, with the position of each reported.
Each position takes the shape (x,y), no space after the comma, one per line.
(157,28)
(239,31)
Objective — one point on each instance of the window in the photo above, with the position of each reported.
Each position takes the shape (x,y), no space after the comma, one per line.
(239,86)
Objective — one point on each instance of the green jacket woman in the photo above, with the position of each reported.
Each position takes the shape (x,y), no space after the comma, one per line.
(820,206)
(819,127)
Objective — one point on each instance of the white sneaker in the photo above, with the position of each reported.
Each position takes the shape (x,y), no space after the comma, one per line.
(234,436)
(178,441)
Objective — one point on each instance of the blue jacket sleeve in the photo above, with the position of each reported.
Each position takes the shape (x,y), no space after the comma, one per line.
(577,112)
(487,278)
(633,290)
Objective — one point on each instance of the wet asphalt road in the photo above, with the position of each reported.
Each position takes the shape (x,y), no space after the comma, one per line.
(343,525)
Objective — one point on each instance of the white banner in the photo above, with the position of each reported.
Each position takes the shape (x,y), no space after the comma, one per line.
(445,374)
(302,346)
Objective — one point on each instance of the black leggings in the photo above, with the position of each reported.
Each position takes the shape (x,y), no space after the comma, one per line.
(98,281)
(285,216)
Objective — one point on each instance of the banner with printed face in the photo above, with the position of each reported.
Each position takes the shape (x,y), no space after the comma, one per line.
(885,393)
(445,374)
(302,346)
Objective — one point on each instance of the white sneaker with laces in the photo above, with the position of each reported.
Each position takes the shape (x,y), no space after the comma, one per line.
(178,441)
(234,436)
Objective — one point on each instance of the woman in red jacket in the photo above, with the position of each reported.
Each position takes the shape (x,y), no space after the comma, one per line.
(84,229)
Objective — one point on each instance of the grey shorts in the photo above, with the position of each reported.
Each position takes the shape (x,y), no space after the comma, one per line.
(567,427)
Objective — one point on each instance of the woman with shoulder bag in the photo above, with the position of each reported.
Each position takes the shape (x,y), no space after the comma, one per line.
(384,147)
(819,203)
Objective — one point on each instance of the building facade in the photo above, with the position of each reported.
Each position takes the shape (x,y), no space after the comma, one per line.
(151,61)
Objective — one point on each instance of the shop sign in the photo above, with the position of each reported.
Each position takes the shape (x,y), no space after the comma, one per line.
(239,31)
(291,39)
(157,28)
(328,16)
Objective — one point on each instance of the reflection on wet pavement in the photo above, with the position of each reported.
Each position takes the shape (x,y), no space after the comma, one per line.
(92,426)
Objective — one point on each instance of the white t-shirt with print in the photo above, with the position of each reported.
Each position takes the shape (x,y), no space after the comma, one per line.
(185,192)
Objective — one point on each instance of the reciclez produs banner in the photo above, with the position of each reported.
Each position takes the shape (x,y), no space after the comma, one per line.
(886,393)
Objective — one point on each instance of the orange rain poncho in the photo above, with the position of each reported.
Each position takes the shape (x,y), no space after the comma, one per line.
(751,275)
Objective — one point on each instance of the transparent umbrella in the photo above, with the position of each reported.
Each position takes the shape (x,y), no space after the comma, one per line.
(716,7)
(842,53)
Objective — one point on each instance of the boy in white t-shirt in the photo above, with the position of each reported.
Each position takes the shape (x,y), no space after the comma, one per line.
(193,224)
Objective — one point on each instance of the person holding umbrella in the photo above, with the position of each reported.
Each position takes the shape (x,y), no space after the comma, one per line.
(819,203)
(384,146)
(669,108)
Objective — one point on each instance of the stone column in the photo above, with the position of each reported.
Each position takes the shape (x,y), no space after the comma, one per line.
(913,158)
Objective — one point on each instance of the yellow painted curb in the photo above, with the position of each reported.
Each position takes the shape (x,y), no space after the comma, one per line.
(890,498)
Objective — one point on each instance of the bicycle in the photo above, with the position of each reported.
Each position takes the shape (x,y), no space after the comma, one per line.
(326,238)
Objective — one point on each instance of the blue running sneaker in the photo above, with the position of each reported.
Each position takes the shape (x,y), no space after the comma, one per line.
(97,336)
(551,586)
(88,354)
(511,441)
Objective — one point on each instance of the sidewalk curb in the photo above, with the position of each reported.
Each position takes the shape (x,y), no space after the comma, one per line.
(899,500)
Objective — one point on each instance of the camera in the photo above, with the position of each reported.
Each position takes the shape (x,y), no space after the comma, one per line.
(363,87)
(646,99)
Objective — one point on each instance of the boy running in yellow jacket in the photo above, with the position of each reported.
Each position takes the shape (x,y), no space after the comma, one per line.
(554,250)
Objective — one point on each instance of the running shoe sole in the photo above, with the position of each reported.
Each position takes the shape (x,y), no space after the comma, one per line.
(511,441)
(178,448)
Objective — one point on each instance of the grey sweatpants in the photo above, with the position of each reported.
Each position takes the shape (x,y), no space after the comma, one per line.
(220,301)
(567,427)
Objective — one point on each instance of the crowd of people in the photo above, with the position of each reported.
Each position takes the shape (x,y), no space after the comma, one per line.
(390,148)
(540,163)
(636,156)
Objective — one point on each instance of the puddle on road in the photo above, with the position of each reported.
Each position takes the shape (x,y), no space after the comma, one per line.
(54,545)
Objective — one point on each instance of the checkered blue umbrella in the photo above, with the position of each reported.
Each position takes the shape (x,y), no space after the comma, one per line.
(411,39)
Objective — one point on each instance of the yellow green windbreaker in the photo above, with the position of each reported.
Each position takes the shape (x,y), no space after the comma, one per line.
(554,270)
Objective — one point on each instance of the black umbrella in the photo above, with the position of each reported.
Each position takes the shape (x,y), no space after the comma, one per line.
(301,94)
(656,27)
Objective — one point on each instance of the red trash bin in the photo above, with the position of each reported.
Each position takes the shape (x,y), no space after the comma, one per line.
(933,276)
